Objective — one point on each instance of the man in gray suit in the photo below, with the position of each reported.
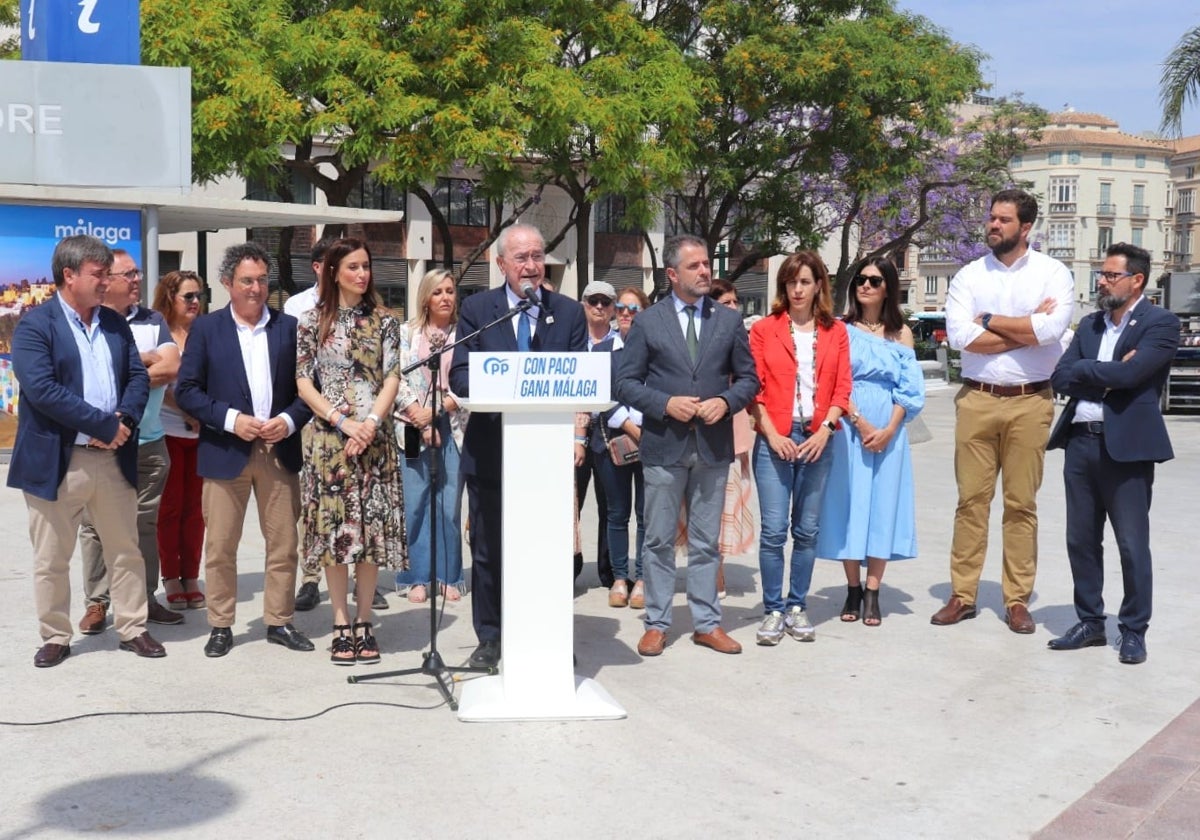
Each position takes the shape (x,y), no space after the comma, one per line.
(687,367)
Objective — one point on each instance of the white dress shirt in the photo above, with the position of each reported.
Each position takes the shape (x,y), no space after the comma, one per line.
(1087,411)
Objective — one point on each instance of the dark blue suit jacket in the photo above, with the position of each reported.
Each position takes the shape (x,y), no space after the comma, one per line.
(655,365)
(561,328)
(1133,425)
(52,410)
(212,380)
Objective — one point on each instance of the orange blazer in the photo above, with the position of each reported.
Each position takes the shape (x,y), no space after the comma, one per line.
(775,361)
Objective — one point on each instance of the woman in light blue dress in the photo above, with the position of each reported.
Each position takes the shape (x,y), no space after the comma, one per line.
(867,513)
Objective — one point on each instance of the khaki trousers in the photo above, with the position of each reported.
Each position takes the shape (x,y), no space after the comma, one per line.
(277,493)
(93,484)
(1003,436)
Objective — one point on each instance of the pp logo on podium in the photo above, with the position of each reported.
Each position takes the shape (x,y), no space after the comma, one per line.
(494,366)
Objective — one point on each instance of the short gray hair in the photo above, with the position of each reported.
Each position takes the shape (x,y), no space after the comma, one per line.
(676,244)
(74,251)
(235,254)
(502,239)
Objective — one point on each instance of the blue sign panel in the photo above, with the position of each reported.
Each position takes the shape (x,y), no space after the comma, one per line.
(88,31)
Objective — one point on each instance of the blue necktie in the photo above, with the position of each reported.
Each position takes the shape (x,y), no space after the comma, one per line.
(523,332)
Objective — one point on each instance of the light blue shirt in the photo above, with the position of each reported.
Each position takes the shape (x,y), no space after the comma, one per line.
(1087,411)
(95,359)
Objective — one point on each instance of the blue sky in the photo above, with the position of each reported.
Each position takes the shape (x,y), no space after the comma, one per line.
(1101,56)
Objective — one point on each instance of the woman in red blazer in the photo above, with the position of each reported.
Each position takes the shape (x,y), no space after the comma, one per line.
(802,355)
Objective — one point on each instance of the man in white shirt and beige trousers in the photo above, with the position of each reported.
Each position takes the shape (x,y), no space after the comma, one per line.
(1007,312)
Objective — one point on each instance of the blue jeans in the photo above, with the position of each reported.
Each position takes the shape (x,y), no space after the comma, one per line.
(417,489)
(788,489)
(622,486)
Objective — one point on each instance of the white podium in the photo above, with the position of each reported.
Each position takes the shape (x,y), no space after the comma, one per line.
(538,395)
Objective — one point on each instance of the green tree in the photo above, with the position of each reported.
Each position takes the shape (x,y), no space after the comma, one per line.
(789,90)
(10,22)
(1180,84)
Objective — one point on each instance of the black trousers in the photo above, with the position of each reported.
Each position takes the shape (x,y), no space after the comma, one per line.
(583,477)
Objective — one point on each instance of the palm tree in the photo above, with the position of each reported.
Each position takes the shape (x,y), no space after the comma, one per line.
(1180,84)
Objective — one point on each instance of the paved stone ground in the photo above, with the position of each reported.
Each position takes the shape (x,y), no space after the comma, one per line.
(903,731)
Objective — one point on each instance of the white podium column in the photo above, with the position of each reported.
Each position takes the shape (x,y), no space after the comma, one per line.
(537,677)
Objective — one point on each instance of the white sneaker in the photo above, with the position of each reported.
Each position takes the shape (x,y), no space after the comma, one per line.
(771,630)
(798,626)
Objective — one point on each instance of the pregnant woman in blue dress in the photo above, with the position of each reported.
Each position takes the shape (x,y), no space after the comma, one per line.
(867,515)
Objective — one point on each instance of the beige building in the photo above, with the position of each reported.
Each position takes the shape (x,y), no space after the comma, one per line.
(1182,222)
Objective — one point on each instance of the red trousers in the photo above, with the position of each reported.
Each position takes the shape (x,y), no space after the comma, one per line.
(180,516)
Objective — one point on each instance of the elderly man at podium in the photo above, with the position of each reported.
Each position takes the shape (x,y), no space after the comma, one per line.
(553,324)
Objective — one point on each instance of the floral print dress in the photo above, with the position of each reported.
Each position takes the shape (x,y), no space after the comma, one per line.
(353,508)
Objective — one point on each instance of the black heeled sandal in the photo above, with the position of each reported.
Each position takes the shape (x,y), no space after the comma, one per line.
(366,649)
(871,616)
(341,651)
(853,605)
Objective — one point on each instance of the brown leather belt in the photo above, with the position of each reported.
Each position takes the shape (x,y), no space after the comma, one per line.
(1007,390)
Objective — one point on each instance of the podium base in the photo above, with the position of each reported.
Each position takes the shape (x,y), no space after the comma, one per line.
(484,699)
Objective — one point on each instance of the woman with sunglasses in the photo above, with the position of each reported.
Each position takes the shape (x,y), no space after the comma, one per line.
(868,509)
(180,520)
(623,486)
(802,356)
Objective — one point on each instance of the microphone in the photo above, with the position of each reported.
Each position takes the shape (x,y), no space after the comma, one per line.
(529,293)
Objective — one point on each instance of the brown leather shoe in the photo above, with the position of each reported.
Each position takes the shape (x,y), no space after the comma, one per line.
(652,643)
(718,640)
(50,655)
(93,620)
(954,612)
(618,594)
(156,613)
(637,596)
(144,645)
(1018,619)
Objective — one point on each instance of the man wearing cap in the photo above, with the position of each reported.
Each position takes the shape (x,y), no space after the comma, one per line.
(598,300)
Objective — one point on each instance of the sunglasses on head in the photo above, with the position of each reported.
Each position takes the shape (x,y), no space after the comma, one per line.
(629,307)
(192,297)
(863,279)
(599,300)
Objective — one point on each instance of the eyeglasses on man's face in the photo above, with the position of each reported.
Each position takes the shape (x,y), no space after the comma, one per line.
(132,275)
(1112,276)
(599,300)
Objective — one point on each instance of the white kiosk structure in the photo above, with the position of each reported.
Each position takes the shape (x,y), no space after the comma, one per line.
(538,395)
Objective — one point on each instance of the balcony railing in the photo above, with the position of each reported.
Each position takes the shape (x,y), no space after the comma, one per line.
(1063,207)
(1067,253)
(1182,258)
(1106,209)
(928,256)
(1139,210)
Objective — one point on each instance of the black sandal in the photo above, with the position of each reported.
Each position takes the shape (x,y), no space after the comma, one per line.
(366,649)
(342,649)
(871,616)
(853,605)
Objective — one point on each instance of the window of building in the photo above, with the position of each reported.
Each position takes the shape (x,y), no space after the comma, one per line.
(1106,158)
(1054,158)
(1060,237)
(1139,194)
(301,189)
(1184,251)
(1140,161)
(1015,162)
(931,286)
(1074,157)
(610,215)
(1189,172)
(372,195)
(457,200)
(1062,194)
(1187,201)
(1104,239)
(676,216)
(1105,192)
(1137,236)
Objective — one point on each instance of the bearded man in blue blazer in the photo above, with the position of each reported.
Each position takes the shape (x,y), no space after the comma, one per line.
(1113,433)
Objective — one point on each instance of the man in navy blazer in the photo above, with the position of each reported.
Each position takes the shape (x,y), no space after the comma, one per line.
(686,366)
(556,324)
(1113,433)
(83,390)
(238,378)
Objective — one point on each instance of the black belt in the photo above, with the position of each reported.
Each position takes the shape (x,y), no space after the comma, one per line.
(1091,428)
(1007,390)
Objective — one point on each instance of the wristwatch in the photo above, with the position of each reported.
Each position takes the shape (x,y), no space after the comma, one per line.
(853,418)
(830,425)
(986,321)
(128,422)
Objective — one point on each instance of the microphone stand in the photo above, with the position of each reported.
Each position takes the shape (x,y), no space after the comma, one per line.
(432,665)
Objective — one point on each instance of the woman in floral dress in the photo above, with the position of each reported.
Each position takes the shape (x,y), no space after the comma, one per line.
(352,490)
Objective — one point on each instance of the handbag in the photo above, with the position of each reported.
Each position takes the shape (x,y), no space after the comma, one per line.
(621,448)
